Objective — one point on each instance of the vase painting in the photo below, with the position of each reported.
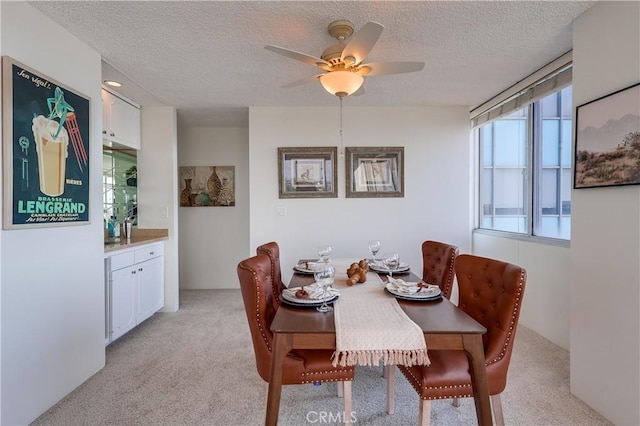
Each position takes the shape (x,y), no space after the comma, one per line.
(207,186)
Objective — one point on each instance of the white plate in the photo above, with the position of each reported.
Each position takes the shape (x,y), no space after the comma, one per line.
(379,267)
(430,293)
(289,296)
(300,267)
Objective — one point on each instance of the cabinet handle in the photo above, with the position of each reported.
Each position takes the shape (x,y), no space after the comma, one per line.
(104,132)
(139,269)
(112,134)
(133,272)
(152,253)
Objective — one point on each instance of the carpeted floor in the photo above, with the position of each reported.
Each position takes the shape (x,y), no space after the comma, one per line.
(196,367)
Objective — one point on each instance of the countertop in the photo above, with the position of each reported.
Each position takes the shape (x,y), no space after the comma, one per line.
(138,237)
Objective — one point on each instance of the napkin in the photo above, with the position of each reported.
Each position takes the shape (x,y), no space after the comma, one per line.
(314,290)
(405,287)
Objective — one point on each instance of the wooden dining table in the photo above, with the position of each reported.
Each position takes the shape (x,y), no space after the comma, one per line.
(445,327)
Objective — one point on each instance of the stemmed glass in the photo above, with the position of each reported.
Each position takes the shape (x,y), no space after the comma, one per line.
(325,253)
(391,261)
(374,248)
(325,276)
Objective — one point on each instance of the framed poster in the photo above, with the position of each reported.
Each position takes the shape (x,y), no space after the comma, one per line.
(308,172)
(207,186)
(374,172)
(608,140)
(46,150)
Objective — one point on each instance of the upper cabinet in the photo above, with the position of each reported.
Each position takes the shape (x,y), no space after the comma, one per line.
(120,121)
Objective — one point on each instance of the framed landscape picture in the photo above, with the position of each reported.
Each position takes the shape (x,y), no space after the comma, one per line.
(374,172)
(45,148)
(307,172)
(608,140)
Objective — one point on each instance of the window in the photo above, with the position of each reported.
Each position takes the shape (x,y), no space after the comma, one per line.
(525,168)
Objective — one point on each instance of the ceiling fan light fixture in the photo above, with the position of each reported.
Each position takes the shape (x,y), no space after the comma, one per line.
(341,83)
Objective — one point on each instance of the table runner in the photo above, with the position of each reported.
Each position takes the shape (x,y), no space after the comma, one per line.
(372,327)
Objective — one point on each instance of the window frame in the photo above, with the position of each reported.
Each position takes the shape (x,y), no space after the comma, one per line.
(532,178)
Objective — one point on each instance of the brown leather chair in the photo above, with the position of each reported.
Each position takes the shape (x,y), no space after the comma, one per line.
(273,251)
(437,265)
(301,366)
(491,292)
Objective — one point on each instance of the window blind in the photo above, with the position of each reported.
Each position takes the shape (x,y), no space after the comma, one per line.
(543,82)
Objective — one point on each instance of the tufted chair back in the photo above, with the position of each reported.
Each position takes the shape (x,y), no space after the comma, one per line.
(254,275)
(273,251)
(437,265)
(491,292)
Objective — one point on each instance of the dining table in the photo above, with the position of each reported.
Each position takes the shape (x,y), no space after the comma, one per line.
(444,325)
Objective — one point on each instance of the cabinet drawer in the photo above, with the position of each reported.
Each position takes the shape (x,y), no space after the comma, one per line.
(121,260)
(144,254)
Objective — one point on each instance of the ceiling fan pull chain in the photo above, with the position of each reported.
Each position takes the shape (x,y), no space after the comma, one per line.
(341,148)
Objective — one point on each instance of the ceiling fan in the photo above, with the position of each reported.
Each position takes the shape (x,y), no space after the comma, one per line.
(342,63)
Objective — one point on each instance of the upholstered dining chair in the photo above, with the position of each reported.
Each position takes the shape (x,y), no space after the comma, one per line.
(272,250)
(437,265)
(491,292)
(301,366)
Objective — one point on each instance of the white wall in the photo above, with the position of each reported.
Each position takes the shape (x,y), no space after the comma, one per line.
(158,189)
(214,239)
(436,202)
(52,282)
(546,299)
(605,246)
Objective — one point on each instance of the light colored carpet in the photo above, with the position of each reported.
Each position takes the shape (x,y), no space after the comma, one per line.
(196,367)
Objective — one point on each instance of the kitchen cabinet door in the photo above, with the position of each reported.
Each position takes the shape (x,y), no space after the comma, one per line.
(124,300)
(121,121)
(150,287)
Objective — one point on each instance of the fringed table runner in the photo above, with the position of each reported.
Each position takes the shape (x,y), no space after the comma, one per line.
(372,327)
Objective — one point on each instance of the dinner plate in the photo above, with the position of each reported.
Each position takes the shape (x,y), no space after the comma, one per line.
(300,268)
(402,267)
(306,303)
(419,296)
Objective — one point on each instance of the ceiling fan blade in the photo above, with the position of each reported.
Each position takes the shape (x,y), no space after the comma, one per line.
(362,42)
(307,59)
(383,68)
(302,81)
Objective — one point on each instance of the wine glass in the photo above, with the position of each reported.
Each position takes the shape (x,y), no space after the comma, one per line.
(391,262)
(325,253)
(325,276)
(374,248)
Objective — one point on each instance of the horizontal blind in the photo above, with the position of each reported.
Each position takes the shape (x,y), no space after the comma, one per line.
(553,81)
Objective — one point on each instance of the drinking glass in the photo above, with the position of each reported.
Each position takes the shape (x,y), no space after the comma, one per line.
(325,276)
(325,253)
(374,248)
(391,262)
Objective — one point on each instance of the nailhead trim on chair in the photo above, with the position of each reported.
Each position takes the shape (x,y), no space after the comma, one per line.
(258,317)
(513,320)
(414,383)
(450,275)
(261,250)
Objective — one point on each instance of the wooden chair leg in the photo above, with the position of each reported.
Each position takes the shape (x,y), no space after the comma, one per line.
(496,406)
(424,415)
(340,386)
(391,388)
(346,385)
(455,402)
(385,370)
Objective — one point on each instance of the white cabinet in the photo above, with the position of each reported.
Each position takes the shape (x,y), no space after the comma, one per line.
(135,288)
(120,121)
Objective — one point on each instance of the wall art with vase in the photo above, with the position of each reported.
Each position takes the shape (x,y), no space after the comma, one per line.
(207,186)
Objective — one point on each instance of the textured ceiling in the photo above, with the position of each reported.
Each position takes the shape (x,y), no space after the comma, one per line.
(207,58)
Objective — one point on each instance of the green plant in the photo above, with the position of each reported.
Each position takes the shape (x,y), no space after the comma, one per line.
(131,172)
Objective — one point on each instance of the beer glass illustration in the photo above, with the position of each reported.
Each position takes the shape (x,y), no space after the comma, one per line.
(52,142)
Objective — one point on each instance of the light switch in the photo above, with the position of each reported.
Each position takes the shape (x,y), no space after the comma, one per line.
(281,211)
(164,212)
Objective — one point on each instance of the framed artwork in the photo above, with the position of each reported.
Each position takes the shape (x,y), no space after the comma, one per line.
(608,140)
(374,172)
(207,186)
(45,148)
(308,172)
